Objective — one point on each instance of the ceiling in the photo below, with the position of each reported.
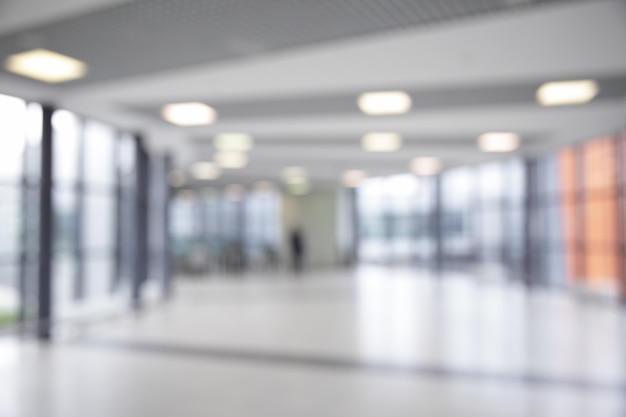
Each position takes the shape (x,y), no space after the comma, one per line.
(122,39)
(289,72)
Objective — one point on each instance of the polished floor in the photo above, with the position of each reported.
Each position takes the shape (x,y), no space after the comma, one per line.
(372,342)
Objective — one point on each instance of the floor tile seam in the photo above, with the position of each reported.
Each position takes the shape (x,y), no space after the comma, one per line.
(338,363)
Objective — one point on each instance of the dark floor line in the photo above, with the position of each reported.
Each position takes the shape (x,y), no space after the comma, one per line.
(337,363)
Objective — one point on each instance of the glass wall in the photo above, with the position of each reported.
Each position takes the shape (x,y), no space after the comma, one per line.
(392,223)
(84,200)
(95,227)
(459,232)
(97,211)
(14,159)
(99,216)
(126,211)
(546,238)
(66,175)
(554,220)
(186,232)
(593,220)
(372,211)
(263,227)
(20,137)
(214,230)
(158,235)
(499,217)
(424,224)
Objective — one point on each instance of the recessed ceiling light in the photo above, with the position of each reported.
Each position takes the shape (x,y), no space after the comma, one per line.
(176,178)
(189,114)
(426,165)
(381,142)
(299,188)
(205,171)
(384,102)
(47,66)
(353,178)
(240,142)
(498,142)
(562,93)
(293,172)
(231,159)
(296,180)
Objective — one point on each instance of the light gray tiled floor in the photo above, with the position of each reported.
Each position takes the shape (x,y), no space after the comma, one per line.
(376,342)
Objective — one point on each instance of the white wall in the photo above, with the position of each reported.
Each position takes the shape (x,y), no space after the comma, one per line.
(316,215)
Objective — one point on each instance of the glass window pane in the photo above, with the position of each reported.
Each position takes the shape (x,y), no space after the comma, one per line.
(67,133)
(600,213)
(99,155)
(65,218)
(183,222)
(98,282)
(64,270)
(10,220)
(491,180)
(9,295)
(12,137)
(127,155)
(99,221)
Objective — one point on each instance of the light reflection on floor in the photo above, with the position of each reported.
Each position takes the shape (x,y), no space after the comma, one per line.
(373,342)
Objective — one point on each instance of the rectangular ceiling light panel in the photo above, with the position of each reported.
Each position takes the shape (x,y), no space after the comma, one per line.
(565,93)
(498,141)
(384,103)
(239,142)
(426,165)
(46,66)
(231,159)
(381,142)
(189,114)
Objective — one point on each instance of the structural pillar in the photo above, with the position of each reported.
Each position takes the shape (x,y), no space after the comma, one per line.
(140,274)
(530,203)
(45,307)
(437,224)
(355,233)
(167,198)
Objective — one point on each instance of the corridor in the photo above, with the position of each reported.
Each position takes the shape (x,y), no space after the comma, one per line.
(377,341)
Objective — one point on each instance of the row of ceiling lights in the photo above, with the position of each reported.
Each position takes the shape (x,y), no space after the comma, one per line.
(385,103)
(295,178)
(375,104)
(231,147)
(232,192)
(297,183)
(231,153)
(52,67)
(399,186)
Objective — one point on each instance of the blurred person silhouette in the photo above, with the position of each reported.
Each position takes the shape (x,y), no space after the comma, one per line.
(296,243)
